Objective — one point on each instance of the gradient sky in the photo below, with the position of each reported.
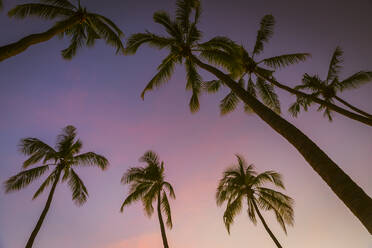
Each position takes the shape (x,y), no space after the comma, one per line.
(98,92)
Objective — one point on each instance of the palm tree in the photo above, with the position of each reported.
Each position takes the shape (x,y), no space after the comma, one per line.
(183,42)
(62,160)
(74,21)
(244,65)
(241,182)
(147,184)
(329,87)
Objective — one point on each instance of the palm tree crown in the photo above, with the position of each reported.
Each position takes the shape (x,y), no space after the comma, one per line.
(83,27)
(241,182)
(64,159)
(181,39)
(241,63)
(328,88)
(148,185)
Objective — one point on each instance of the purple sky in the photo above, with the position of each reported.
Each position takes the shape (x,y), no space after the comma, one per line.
(98,92)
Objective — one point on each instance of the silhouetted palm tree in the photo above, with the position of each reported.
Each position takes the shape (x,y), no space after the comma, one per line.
(241,182)
(183,44)
(244,64)
(148,185)
(64,159)
(241,63)
(328,88)
(74,21)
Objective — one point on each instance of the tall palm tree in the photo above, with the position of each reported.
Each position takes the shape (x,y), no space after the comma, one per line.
(328,88)
(183,42)
(76,22)
(241,182)
(148,185)
(244,64)
(62,161)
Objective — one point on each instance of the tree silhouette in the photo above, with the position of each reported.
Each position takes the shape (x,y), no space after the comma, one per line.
(241,182)
(328,88)
(76,22)
(64,159)
(148,185)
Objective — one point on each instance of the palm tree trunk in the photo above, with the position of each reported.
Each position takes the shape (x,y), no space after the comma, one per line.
(341,184)
(366,119)
(266,226)
(21,45)
(352,107)
(31,240)
(162,227)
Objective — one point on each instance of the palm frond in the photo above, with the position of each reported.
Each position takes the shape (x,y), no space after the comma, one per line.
(264,33)
(229,103)
(65,139)
(233,208)
(165,71)
(211,86)
(79,191)
(135,195)
(136,40)
(32,146)
(149,197)
(295,108)
(194,82)
(270,176)
(170,189)
(40,10)
(268,95)
(162,18)
(60,3)
(24,178)
(50,179)
(221,43)
(167,210)
(91,159)
(133,174)
(355,80)
(251,211)
(77,41)
(285,60)
(111,34)
(150,157)
(193,35)
(334,66)
(219,58)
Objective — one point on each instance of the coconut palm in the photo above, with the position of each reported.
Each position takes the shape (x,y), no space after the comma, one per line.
(62,161)
(241,182)
(259,73)
(246,68)
(328,88)
(83,27)
(183,43)
(148,185)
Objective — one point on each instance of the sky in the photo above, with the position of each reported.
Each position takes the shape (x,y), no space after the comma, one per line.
(99,93)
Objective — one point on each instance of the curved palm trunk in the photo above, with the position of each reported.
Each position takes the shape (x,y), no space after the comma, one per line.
(162,227)
(352,107)
(266,226)
(21,45)
(366,119)
(31,240)
(341,184)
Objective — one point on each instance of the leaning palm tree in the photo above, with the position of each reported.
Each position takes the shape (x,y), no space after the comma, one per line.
(241,182)
(76,22)
(328,88)
(148,185)
(259,73)
(183,42)
(62,161)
